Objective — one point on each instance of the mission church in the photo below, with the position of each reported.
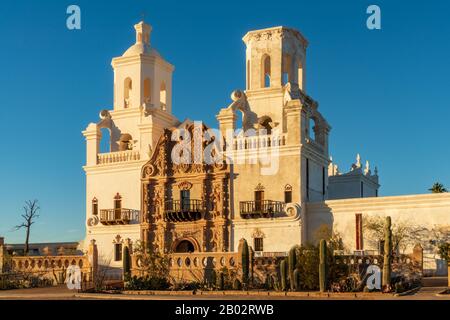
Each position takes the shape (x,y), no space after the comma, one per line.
(136,192)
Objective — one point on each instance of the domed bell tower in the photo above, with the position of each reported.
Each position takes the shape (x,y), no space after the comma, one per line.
(141,76)
(275,57)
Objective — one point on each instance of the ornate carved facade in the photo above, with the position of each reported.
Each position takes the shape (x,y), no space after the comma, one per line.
(185,204)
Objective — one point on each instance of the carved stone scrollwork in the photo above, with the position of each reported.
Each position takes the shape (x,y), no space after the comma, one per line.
(217,199)
(185,185)
(293,209)
(259,187)
(257,233)
(149,171)
(220,166)
(182,168)
(93,221)
(158,202)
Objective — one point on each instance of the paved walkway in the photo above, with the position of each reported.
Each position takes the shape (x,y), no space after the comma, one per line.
(62,293)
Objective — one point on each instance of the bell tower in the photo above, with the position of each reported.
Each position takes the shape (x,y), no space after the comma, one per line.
(142,76)
(274,57)
(275,63)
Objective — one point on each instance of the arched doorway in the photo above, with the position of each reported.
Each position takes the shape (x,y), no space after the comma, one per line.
(185,246)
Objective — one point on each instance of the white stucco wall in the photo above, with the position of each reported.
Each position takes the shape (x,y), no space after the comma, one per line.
(429,211)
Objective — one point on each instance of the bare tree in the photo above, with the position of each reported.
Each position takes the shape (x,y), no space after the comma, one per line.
(404,232)
(31,209)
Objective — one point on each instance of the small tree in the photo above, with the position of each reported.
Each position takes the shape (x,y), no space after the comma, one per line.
(31,210)
(404,232)
(444,251)
(438,188)
(126,263)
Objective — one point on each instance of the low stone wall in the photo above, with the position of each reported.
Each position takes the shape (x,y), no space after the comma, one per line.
(53,267)
(50,267)
(196,266)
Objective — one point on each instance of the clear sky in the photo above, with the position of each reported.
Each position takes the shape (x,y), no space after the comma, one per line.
(385,93)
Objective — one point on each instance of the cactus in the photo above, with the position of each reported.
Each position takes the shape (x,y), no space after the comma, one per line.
(296,279)
(245,261)
(268,283)
(323,266)
(387,254)
(221,281)
(213,282)
(283,274)
(292,263)
(251,255)
(275,282)
(126,262)
(237,284)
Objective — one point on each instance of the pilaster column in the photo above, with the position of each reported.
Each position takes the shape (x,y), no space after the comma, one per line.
(295,122)
(227,121)
(93,136)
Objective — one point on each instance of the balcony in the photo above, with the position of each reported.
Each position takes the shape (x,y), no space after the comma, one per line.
(119,156)
(259,142)
(260,209)
(117,216)
(183,211)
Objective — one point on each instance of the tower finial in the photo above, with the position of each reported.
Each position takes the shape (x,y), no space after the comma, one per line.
(358,161)
(143,33)
(143,14)
(367,169)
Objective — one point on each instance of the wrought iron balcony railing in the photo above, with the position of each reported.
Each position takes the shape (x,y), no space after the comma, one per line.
(116,216)
(183,210)
(260,209)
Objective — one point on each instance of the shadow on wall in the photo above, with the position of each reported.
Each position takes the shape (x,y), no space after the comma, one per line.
(320,225)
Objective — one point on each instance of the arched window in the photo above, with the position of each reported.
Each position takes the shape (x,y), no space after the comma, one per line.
(163,96)
(311,127)
(105,142)
(300,70)
(259,197)
(147,91)
(94,207)
(287,67)
(287,193)
(118,248)
(117,202)
(258,244)
(128,87)
(265,81)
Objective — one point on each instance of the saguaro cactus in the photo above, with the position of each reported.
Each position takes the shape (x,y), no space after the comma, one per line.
(296,275)
(283,274)
(213,282)
(126,262)
(323,266)
(237,284)
(292,259)
(245,254)
(221,281)
(387,254)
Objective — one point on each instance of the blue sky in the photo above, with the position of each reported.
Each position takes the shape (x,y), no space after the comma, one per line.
(385,92)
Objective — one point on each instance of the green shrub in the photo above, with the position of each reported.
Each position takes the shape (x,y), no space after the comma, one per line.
(147,283)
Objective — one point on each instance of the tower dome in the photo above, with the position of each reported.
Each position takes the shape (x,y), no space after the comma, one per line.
(142,45)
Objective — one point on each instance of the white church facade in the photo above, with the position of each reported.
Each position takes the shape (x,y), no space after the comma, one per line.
(271,182)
